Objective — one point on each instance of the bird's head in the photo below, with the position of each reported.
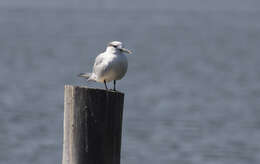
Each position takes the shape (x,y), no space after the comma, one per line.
(116,46)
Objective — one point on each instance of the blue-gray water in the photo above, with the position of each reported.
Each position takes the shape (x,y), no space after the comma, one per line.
(192,89)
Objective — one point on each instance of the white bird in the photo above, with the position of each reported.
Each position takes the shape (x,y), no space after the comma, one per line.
(109,65)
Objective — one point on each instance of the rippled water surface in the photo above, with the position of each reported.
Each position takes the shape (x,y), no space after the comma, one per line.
(192,89)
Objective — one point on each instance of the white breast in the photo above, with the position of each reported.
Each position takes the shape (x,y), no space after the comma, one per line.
(114,67)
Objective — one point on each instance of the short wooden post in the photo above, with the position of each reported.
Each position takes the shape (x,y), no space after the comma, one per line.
(92,126)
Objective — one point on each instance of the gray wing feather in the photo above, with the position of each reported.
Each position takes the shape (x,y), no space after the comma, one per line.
(100,66)
(98,61)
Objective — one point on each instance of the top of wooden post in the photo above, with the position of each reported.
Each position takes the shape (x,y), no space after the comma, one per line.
(92,125)
(94,89)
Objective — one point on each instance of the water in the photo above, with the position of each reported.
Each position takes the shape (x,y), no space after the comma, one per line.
(192,89)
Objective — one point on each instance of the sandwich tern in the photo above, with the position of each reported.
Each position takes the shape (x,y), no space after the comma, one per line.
(110,65)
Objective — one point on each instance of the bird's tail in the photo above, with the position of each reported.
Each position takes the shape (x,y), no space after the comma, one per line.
(86,76)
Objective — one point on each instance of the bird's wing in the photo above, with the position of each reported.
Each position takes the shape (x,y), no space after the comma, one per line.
(100,66)
(99,59)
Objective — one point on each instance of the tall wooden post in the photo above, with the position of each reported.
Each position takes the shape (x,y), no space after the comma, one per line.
(92,126)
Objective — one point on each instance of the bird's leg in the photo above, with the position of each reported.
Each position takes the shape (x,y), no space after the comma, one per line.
(105,84)
(114,85)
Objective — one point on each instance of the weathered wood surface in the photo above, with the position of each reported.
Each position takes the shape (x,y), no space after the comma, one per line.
(92,126)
